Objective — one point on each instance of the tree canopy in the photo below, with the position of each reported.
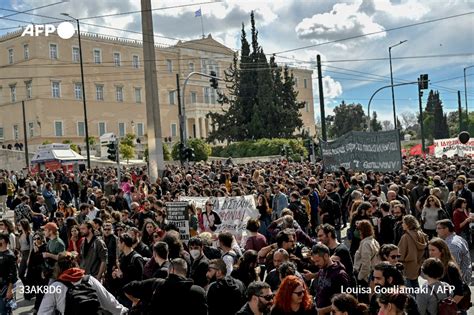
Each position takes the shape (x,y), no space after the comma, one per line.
(260,100)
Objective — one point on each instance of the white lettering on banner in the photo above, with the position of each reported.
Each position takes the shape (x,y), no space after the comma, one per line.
(233,211)
(361,147)
(177,214)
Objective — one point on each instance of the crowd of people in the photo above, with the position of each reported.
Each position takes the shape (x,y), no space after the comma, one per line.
(345,242)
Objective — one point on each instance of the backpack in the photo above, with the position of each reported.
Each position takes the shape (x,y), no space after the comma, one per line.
(81,299)
(232,254)
(300,215)
(446,306)
(442,214)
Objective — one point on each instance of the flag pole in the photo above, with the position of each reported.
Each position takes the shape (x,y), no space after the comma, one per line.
(202,25)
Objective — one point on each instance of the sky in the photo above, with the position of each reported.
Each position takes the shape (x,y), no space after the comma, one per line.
(352,38)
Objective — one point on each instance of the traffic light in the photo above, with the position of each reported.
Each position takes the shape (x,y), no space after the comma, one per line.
(423,81)
(112,151)
(182,152)
(190,154)
(213,81)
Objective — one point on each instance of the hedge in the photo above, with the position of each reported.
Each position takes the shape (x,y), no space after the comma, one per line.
(202,150)
(262,147)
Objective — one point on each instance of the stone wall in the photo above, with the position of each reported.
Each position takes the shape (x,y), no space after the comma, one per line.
(13,160)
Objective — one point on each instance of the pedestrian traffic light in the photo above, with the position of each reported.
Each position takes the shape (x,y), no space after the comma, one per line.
(213,80)
(190,154)
(112,151)
(423,82)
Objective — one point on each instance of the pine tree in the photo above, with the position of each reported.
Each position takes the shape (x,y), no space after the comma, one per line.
(375,125)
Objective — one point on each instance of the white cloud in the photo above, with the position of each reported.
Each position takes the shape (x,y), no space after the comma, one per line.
(344,20)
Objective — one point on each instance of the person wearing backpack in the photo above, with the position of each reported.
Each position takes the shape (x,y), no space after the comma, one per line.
(75,293)
(435,297)
(229,256)
(299,210)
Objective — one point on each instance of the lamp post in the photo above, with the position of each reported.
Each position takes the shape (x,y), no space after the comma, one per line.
(391,82)
(465,93)
(86,125)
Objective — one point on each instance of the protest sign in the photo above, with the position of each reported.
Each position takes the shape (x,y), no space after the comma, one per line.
(234,212)
(177,214)
(363,151)
(450,147)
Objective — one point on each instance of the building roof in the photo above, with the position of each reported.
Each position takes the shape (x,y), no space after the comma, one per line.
(208,44)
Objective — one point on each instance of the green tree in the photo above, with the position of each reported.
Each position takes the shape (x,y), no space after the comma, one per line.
(453,123)
(347,118)
(71,145)
(126,151)
(46,142)
(261,104)
(92,140)
(375,125)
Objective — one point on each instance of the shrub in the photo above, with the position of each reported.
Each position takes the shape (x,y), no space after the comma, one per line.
(202,150)
(262,147)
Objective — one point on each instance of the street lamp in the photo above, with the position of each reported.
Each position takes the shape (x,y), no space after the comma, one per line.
(465,93)
(86,126)
(391,81)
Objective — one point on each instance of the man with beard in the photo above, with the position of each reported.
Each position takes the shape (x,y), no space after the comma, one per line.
(389,276)
(327,235)
(331,278)
(93,252)
(260,299)
(330,211)
(138,245)
(398,213)
(225,295)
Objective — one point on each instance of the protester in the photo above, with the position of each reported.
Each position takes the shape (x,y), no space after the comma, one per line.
(347,304)
(8,272)
(259,299)
(292,297)
(436,290)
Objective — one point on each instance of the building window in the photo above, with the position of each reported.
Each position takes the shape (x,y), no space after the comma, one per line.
(75,54)
(58,128)
(305,83)
(191,67)
(173,130)
(121,128)
(29,92)
(78,91)
(213,96)
(26,51)
(140,130)
(119,93)
(16,132)
(135,61)
(117,61)
(296,82)
(56,89)
(99,92)
(171,97)
(13,93)
(204,65)
(53,51)
(81,129)
(193,97)
(31,129)
(2,136)
(138,95)
(169,65)
(97,56)
(306,106)
(102,128)
(10,56)
(207,92)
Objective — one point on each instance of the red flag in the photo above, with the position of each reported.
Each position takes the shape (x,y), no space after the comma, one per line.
(416,150)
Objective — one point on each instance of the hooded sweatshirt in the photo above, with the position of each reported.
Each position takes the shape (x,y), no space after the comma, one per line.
(225,296)
(412,248)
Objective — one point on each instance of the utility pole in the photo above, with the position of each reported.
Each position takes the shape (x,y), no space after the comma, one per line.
(465,94)
(180,114)
(153,117)
(25,136)
(460,111)
(420,94)
(321,99)
(391,82)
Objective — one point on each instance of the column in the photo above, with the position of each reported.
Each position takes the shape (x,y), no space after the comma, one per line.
(198,129)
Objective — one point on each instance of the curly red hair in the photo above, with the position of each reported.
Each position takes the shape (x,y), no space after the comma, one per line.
(285,291)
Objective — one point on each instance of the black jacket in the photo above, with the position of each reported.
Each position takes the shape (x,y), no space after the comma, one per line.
(8,271)
(173,295)
(198,271)
(225,296)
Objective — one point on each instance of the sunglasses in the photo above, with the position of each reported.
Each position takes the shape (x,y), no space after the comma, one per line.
(36,238)
(395,256)
(267,298)
(299,293)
